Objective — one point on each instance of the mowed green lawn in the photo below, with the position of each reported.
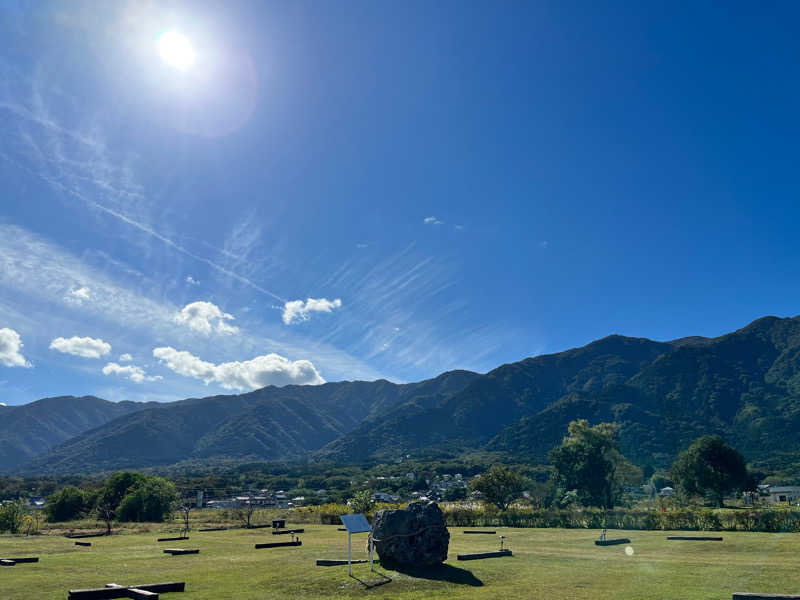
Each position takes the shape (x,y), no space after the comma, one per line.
(548,563)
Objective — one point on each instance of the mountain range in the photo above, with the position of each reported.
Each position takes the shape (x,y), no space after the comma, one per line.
(744,386)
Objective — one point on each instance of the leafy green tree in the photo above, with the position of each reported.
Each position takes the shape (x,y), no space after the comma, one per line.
(361,502)
(65,505)
(12,515)
(151,500)
(500,485)
(589,462)
(118,485)
(710,466)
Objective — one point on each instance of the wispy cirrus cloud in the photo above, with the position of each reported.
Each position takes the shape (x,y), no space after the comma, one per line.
(432,221)
(10,347)
(36,274)
(296,311)
(85,347)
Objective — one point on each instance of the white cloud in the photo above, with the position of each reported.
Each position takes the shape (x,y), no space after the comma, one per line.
(205,318)
(295,311)
(78,295)
(10,345)
(269,369)
(432,221)
(125,357)
(191,280)
(81,346)
(132,372)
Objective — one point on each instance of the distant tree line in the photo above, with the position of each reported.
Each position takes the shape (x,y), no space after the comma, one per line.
(590,470)
(124,497)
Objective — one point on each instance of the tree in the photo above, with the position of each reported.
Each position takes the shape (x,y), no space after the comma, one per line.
(65,505)
(12,515)
(361,502)
(151,500)
(105,511)
(589,462)
(500,485)
(710,466)
(245,511)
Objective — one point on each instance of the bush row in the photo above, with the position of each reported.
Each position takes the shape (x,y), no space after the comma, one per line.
(690,519)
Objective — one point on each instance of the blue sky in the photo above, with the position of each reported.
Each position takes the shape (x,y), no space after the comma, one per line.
(355,190)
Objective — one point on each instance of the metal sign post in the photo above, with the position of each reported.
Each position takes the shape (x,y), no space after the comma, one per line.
(356,524)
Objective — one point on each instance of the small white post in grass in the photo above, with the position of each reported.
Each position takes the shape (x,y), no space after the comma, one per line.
(371,552)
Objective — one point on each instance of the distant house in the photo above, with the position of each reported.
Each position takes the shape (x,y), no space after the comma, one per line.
(777,494)
(666,492)
(36,502)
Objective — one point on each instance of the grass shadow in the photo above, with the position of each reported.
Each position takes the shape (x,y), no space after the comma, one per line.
(369,585)
(443,572)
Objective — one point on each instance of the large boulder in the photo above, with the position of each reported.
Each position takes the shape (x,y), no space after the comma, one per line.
(416,536)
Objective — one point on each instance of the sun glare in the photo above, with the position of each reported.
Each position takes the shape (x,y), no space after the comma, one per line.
(176,50)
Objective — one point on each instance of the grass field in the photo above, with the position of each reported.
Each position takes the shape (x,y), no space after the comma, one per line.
(554,564)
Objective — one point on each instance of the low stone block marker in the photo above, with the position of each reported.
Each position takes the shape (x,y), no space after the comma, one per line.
(279,544)
(83,543)
(179,551)
(480,555)
(146,591)
(172,539)
(694,538)
(749,596)
(13,561)
(322,562)
(214,529)
(78,536)
(486,532)
(613,542)
(288,531)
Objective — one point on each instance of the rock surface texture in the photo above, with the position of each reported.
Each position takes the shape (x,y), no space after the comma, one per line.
(416,536)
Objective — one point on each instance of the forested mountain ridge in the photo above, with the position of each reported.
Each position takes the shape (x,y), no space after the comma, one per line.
(744,386)
(267,424)
(31,429)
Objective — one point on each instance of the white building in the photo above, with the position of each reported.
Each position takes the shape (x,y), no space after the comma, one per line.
(780,494)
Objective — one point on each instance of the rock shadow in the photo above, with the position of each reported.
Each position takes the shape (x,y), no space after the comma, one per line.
(443,572)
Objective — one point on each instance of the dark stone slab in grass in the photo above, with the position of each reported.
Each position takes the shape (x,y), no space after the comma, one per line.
(750,596)
(214,529)
(284,531)
(480,555)
(614,542)
(172,539)
(179,551)
(34,559)
(483,532)
(78,536)
(259,526)
(341,529)
(321,562)
(279,544)
(83,543)
(694,538)
(4,562)
(118,591)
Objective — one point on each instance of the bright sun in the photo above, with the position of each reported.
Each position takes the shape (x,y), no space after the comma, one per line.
(176,50)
